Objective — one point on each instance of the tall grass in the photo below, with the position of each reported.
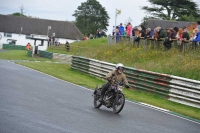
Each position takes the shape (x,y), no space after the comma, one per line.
(171,61)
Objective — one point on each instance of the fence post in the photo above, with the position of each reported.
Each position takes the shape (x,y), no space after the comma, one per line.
(145,44)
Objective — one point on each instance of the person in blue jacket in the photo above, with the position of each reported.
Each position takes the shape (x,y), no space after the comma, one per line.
(121,29)
(197,38)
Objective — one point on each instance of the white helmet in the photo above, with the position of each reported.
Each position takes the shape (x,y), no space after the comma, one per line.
(119,65)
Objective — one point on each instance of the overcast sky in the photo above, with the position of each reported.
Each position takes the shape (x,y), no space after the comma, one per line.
(63,9)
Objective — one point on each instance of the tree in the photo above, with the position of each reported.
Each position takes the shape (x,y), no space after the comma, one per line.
(90,17)
(21,13)
(172,9)
(18,14)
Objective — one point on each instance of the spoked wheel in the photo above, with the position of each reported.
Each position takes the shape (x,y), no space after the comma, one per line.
(118,106)
(97,104)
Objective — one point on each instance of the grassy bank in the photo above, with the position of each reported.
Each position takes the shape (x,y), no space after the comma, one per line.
(171,62)
(64,71)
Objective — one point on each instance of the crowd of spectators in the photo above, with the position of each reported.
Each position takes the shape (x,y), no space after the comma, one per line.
(180,34)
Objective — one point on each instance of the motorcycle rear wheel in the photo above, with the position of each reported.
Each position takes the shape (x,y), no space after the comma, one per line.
(117,108)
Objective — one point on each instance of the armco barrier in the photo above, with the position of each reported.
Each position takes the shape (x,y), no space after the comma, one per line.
(177,89)
(13,47)
(45,54)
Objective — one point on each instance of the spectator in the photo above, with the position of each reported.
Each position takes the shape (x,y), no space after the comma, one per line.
(28,46)
(173,33)
(155,33)
(49,41)
(197,38)
(176,30)
(133,32)
(117,34)
(85,38)
(113,31)
(161,33)
(167,41)
(91,36)
(129,30)
(143,28)
(121,29)
(179,34)
(125,33)
(186,35)
(198,26)
(141,34)
(149,33)
(179,37)
(97,34)
(67,46)
(193,36)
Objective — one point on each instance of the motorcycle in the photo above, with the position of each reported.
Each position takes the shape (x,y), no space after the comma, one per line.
(113,98)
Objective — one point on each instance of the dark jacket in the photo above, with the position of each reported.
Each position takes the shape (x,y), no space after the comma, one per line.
(161,34)
(173,35)
(186,35)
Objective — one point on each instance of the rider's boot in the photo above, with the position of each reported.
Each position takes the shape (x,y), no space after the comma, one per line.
(101,99)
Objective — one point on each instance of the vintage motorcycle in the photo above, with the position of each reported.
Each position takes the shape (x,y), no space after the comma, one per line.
(113,98)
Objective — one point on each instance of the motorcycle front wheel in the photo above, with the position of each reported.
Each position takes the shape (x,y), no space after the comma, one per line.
(118,104)
(97,104)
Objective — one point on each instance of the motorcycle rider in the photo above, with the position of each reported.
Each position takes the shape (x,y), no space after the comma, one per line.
(115,75)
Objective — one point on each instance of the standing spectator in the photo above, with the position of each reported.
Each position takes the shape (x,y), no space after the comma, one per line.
(129,30)
(155,33)
(143,28)
(198,26)
(176,30)
(117,34)
(49,41)
(173,33)
(149,33)
(193,36)
(141,34)
(97,34)
(197,38)
(67,46)
(167,41)
(125,33)
(113,31)
(121,29)
(179,37)
(186,35)
(161,33)
(28,46)
(91,36)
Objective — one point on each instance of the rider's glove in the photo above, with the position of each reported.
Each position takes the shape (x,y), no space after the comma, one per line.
(127,86)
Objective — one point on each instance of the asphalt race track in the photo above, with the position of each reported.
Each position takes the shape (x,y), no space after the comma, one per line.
(33,102)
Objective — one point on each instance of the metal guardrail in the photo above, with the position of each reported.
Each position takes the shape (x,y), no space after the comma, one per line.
(177,89)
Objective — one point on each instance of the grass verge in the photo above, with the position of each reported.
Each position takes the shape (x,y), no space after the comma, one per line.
(64,71)
(19,55)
